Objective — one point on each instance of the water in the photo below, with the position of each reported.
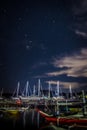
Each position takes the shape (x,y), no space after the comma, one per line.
(28,120)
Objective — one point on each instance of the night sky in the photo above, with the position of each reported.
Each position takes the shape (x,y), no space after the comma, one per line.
(43,39)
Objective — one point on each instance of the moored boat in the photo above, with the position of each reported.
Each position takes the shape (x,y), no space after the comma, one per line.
(64,120)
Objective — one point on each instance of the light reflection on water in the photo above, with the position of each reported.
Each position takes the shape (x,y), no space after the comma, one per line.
(20,119)
(24,120)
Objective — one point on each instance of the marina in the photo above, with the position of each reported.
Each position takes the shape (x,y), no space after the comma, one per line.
(39,110)
(39,113)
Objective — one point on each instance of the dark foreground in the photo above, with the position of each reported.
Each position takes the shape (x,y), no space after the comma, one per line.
(30,120)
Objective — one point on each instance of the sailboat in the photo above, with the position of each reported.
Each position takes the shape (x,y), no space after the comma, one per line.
(1,94)
(37,96)
(57,94)
(26,93)
(71,98)
(64,121)
(15,95)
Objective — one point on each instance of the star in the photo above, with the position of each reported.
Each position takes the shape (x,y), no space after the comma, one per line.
(25,35)
(4,11)
(30,42)
(53,20)
(19,18)
(27,47)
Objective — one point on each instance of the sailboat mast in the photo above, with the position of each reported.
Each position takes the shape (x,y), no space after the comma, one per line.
(18,88)
(49,90)
(58,88)
(70,91)
(27,94)
(34,91)
(38,87)
(1,92)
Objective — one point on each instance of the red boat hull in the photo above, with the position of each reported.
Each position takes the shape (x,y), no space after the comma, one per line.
(66,121)
(63,120)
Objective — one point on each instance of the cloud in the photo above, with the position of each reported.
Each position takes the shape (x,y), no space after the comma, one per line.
(72,65)
(80,33)
(79,13)
(75,65)
(79,7)
(39,64)
(66,85)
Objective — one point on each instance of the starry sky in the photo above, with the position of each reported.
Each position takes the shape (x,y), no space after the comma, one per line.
(44,39)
